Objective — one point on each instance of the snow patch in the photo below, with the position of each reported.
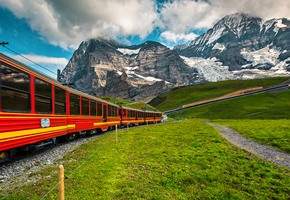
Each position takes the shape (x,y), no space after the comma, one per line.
(119,73)
(215,35)
(279,25)
(211,69)
(219,46)
(264,56)
(128,51)
(261,56)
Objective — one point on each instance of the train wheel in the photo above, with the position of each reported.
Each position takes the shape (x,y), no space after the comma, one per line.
(4,156)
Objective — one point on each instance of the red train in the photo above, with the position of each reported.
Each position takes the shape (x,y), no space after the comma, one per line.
(35,110)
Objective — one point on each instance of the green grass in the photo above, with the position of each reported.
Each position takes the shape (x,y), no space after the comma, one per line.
(275,133)
(261,106)
(128,103)
(141,106)
(118,101)
(189,94)
(184,160)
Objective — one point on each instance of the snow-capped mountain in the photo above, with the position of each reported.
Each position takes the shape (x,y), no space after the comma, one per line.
(244,43)
(140,72)
(239,46)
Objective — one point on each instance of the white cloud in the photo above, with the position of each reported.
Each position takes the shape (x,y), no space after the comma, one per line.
(67,23)
(181,16)
(175,38)
(46,60)
(49,65)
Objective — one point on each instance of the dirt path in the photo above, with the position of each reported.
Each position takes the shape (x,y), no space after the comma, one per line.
(263,151)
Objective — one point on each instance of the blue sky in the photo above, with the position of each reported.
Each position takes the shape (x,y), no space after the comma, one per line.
(49,31)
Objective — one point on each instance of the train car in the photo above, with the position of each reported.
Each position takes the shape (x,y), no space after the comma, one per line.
(36,111)
(153,117)
(131,116)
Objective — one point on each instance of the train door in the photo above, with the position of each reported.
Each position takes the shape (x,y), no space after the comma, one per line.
(104,112)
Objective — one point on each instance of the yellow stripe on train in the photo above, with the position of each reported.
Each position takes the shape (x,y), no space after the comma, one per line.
(12,135)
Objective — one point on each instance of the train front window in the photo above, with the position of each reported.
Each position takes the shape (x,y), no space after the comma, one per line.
(14,89)
(43,100)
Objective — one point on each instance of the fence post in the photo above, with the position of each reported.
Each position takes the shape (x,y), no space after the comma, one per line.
(116,134)
(61,182)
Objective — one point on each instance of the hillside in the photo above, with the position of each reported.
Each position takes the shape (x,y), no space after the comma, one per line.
(261,106)
(189,94)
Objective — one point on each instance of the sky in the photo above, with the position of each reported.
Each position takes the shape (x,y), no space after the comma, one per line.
(49,31)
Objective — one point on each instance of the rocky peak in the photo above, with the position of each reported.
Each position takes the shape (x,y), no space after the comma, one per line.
(102,67)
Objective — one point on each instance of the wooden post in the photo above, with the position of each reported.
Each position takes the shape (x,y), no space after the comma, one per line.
(61,182)
(116,134)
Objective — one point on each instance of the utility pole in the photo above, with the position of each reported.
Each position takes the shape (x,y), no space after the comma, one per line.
(4,43)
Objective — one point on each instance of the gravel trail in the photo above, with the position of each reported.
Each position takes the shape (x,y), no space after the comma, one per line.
(260,150)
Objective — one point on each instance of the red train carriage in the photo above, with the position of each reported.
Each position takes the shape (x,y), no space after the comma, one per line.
(131,116)
(35,110)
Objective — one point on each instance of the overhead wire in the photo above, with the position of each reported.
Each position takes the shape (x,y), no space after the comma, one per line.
(3,45)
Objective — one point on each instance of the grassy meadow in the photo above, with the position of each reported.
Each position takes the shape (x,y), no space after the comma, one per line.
(179,160)
(189,94)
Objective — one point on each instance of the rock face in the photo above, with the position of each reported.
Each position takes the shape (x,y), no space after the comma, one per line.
(140,72)
(236,35)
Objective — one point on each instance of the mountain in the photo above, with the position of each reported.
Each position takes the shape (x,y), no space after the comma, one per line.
(139,72)
(239,46)
(243,43)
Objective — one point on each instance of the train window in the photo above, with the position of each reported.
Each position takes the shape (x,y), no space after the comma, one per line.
(74,104)
(93,108)
(109,110)
(60,101)
(99,111)
(43,100)
(14,89)
(114,111)
(85,106)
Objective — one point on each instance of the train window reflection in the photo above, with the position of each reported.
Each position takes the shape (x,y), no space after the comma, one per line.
(74,104)
(85,106)
(43,100)
(99,109)
(60,103)
(14,89)
(93,108)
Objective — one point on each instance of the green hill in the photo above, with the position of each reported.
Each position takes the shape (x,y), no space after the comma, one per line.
(189,94)
(260,106)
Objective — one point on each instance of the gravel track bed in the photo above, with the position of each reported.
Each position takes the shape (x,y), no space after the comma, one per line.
(260,150)
(20,169)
